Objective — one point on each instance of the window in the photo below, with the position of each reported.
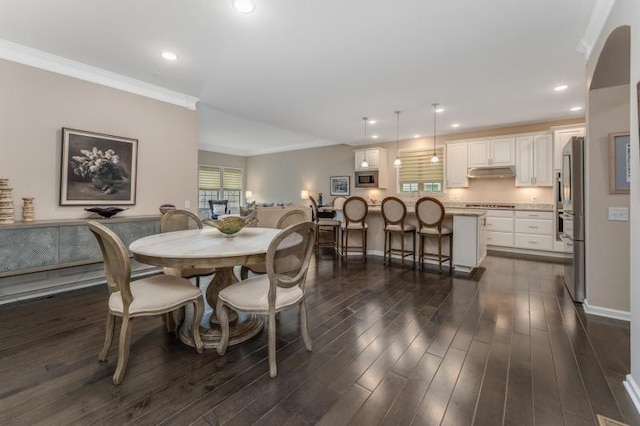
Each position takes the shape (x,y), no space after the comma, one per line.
(418,173)
(219,183)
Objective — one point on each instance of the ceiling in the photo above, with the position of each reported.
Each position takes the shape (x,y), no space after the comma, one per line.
(298,73)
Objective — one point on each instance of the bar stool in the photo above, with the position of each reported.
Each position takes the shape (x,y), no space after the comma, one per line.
(355,211)
(323,224)
(394,213)
(430,214)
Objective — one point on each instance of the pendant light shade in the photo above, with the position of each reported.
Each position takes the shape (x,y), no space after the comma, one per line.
(364,164)
(434,157)
(397,163)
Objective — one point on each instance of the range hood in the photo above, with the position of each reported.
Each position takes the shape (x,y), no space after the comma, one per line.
(491,172)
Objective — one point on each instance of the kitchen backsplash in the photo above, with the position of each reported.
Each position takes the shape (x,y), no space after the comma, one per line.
(489,190)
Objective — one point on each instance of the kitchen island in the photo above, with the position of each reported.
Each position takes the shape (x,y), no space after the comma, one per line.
(469,246)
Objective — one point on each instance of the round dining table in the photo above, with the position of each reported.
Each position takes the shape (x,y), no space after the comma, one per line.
(209,248)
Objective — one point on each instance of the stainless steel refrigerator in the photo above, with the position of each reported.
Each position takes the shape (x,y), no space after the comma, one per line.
(573,216)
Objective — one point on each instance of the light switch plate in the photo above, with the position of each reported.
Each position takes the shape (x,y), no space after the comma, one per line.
(620,214)
(187,204)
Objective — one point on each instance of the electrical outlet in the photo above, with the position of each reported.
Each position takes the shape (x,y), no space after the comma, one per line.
(187,204)
(620,214)
(534,199)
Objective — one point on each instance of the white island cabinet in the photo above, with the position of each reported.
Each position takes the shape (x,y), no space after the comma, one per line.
(469,247)
(469,244)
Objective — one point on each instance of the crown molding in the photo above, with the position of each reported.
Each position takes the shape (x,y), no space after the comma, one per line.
(57,64)
(597,20)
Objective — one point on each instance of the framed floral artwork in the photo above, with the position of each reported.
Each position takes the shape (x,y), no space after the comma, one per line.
(97,169)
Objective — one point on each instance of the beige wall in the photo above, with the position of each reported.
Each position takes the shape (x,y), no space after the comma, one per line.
(280,177)
(209,158)
(36,104)
(607,243)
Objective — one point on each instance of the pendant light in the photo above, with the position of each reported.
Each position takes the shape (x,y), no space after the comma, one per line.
(364,164)
(397,163)
(434,157)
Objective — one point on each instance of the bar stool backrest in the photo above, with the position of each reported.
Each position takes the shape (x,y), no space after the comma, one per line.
(338,202)
(430,212)
(314,209)
(394,211)
(355,210)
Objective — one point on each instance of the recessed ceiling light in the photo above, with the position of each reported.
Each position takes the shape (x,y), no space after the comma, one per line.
(373,121)
(169,56)
(440,109)
(454,125)
(576,108)
(243,6)
(374,136)
(416,136)
(561,88)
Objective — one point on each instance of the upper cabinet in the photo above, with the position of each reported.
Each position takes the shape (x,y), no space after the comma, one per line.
(561,136)
(377,160)
(456,161)
(376,157)
(534,160)
(497,152)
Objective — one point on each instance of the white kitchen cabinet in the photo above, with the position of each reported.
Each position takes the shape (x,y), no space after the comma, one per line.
(376,157)
(497,152)
(456,162)
(499,228)
(534,230)
(534,160)
(561,136)
(469,242)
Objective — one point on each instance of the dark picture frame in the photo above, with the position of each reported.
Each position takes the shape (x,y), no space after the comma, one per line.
(619,163)
(97,169)
(339,185)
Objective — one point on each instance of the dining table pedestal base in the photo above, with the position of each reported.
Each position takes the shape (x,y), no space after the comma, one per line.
(243,329)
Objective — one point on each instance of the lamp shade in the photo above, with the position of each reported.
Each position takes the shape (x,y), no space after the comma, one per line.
(248,194)
(304,194)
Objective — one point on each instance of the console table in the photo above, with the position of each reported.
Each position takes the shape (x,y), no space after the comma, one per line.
(48,256)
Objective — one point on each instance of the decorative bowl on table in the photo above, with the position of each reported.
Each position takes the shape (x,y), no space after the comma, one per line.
(230,225)
(105,212)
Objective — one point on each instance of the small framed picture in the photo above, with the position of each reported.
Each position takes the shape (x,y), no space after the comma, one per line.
(619,163)
(97,169)
(339,185)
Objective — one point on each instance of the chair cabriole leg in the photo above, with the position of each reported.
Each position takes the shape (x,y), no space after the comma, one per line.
(123,350)
(108,337)
(273,369)
(198,311)
(223,318)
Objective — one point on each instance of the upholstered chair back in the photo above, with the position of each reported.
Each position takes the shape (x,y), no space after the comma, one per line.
(288,258)
(430,212)
(338,202)
(291,218)
(179,220)
(117,266)
(355,210)
(394,211)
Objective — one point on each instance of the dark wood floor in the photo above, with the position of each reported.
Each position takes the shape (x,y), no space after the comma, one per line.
(392,346)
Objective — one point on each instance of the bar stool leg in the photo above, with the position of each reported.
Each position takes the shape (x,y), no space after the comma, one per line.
(440,253)
(402,247)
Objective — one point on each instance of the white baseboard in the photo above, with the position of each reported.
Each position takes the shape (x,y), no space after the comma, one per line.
(606,312)
(634,392)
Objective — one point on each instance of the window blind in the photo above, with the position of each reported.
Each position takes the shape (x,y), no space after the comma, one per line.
(232,179)
(418,168)
(209,177)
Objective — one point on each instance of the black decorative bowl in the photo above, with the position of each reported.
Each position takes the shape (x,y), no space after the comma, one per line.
(105,212)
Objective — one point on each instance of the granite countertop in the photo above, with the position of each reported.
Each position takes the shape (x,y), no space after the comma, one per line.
(486,205)
(448,211)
